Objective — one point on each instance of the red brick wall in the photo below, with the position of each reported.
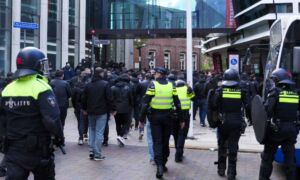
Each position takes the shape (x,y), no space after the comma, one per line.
(174,46)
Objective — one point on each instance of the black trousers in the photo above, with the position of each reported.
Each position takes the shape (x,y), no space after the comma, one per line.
(266,167)
(77,113)
(63,115)
(180,134)
(122,122)
(20,163)
(106,130)
(161,125)
(136,112)
(228,141)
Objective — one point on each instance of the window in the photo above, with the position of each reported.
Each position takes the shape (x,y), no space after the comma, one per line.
(195,62)
(182,61)
(241,5)
(284,8)
(151,58)
(167,58)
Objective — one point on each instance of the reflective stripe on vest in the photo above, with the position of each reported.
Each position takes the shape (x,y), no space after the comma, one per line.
(231,93)
(184,99)
(288,97)
(163,96)
(28,86)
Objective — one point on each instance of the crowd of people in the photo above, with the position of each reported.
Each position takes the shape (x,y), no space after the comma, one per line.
(158,99)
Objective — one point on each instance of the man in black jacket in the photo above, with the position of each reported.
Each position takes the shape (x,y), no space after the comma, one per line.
(134,82)
(82,122)
(62,93)
(123,103)
(96,101)
(201,91)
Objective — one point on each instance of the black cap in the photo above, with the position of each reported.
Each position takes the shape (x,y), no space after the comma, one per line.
(160,70)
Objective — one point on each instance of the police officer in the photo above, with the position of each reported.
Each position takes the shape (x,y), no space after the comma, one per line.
(282,106)
(32,118)
(185,95)
(160,96)
(229,99)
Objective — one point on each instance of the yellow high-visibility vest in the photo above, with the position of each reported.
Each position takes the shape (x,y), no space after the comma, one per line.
(288,97)
(184,97)
(229,93)
(163,96)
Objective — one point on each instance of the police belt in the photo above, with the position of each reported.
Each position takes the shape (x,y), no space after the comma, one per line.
(160,110)
(277,120)
(34,142)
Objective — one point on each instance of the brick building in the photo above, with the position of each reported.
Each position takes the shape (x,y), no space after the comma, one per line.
(168,53)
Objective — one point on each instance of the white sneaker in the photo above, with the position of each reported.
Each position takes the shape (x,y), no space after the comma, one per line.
(121,141)
(80,142)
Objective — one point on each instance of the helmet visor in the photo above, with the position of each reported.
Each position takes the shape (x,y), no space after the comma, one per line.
(44,66)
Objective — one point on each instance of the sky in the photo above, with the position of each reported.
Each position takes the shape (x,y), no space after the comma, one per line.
(176,4)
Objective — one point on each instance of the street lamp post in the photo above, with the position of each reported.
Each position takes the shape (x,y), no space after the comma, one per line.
(93,32)
(139,45)
(189,52)
(140,58)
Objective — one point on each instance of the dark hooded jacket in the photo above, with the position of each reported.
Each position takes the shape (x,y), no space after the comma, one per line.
(96,98)
(122,95)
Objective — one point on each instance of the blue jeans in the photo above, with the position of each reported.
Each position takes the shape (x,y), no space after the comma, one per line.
(96,129)
(149,141)
(202,110)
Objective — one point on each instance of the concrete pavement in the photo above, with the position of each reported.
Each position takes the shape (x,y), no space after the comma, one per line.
(132,161)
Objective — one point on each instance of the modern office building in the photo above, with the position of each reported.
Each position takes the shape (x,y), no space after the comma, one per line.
(61,33)
(64,27)
(254,19)
(128,19)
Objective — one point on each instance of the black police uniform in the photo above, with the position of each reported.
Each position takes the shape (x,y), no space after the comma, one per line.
(282,106)
(62,91)
(230,100)
(32,117)
(178,132)
(160,123)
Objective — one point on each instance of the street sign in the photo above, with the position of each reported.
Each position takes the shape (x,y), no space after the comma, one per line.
(104,42)
(100,41)
(25,25)
(234,61)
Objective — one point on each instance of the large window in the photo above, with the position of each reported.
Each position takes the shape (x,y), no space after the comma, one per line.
(253,14)
(152,59)
(73,32)
(167,59)
(284,8)
(195,64)
(241,5)
(162,14)
(54,33)
(30,12)
(182,61)
(5,34)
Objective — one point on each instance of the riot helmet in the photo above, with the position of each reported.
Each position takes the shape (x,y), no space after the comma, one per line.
(31,60)
(172,77)
(282,76)
(180,83)
(230,78)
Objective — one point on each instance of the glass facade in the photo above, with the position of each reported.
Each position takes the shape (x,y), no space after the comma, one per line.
(30,12)
(154,14)
(54,35)
(262,10)
(5,34)
(241,5)
(73,31)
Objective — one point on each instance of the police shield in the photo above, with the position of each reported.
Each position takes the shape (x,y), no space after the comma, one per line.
(213,117)
(259,118)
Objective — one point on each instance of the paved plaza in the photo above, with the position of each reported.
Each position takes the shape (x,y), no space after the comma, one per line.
(132,162)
